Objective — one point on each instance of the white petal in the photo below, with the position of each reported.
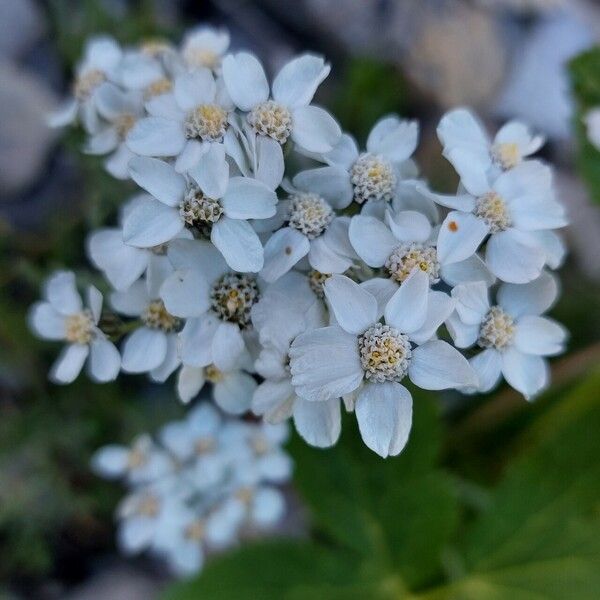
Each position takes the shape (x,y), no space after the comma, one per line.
(159,179)
(247,198)
(407,308)
(190,155)
(461,127)
(196,339)
(110,461)
(212,171)
(122,264)
(539,335)
(197,254)
(383,289)
(69,363)
(46,322)
(165,106)
(151,223)
(384,415)
(354,307)
(268,507)
(239,244)
(531,298)
(372,240)
(245,79)
(459,237)
(117,164)
(105,360)
(269,162)
(337,238)
(94,302)
(318,423)
(296,83)
(161,373)
(472,301)
(409,226)
(65,115)
(331,183)
(234,393)
(135,534)
(514,256)
(194,88)
(283,250)
(132,301)
(436,365)
(274,400)
(470,269)
(227,346)
(144,350)
(156,136)
(315,129)
(316,375)
(394,138)
(553,246)
(186,559)
(439,308)
(186,293)
(103,142)
(526,373)
(463,335)
(461,202)
(61,291)
(324,259)
(189,382)
(488,366)
(344,153)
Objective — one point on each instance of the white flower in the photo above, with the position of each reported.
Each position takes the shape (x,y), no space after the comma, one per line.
(62,316)
(204,47)
(100,61)
(513,335)
(364,356)
(232,390)
(215,301)
(212,205)
(404,242)
(143,462)
(121,263)
(121,110)
(312,229)
(287,309)
(184,122)
(474,156)
(592,122)
(510,209)
(289,114)
(369,178)
(151,347)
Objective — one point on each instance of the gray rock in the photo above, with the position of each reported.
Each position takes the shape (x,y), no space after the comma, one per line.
(25,138)
(21,25)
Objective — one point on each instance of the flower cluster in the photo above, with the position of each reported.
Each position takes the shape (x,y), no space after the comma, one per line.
(271,256)
(201,485)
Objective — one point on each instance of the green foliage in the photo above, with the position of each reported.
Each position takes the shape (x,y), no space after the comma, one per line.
(396,529)
(585,77)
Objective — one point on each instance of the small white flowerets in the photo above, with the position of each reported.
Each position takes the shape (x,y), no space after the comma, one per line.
(233,273)
(198,487)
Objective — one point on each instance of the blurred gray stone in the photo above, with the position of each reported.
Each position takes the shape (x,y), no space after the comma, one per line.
(25,138)
(119,582)
(21,25)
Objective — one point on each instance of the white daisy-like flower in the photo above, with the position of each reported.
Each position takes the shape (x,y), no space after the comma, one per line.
(286,310)
(121,263)
(592,122)
(510,209)
(143,70)
(312,229)
(142,462)
(368,359)
(209,203)
(62,316)
(120,110)
(151,347)
(405,241)
(204,47)
(513,335)
(474,156)
(215,301)
(232,390)
(101,58)
(371,177)
(289,114)
(185,122)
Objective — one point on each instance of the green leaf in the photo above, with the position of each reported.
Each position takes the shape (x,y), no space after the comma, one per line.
(585,77)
